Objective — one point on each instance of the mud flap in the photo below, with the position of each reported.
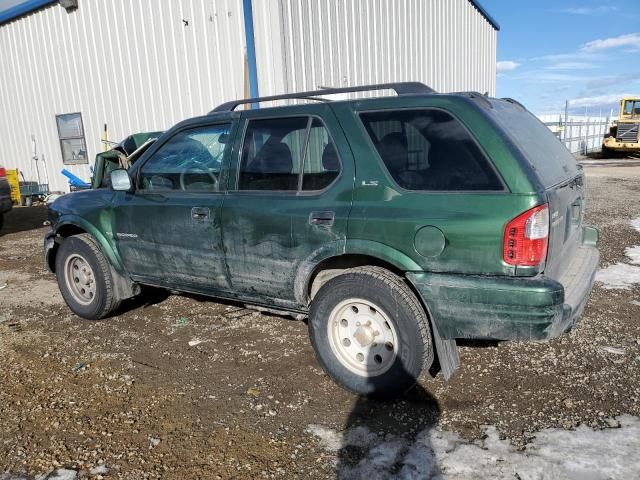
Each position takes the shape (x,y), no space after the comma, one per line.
(447,351)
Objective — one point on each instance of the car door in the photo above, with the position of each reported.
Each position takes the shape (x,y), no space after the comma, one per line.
(168,230)
(290,202)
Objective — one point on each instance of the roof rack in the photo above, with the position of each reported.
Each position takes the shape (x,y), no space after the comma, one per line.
(401,88)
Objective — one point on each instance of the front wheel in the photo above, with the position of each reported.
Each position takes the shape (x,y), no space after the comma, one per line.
(370,332)
(84,278)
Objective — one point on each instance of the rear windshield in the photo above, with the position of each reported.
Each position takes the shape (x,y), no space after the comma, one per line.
(548,156)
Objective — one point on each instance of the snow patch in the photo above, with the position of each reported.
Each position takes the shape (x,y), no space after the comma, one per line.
(634,254)
(556,454)
(329,439)
(623,275)
(619,276)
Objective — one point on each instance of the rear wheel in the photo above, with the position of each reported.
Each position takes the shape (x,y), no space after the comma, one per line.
(85,279)
(370,332)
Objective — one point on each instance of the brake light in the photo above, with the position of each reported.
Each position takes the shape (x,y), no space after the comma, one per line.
(3,172)
(526,237)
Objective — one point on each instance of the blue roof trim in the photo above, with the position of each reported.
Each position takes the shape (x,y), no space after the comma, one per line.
(22,9)
(485,14)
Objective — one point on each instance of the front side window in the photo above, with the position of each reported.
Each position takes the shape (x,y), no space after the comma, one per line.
(287,154)
(191,160)
(429,149)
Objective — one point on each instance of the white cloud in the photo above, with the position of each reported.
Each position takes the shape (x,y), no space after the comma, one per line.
(598,100)
(572,66)
(506,66)
(589,10)
(629,40)
(544,76)
(603,82)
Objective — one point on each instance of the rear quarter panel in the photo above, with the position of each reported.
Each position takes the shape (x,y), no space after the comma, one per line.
(472,223)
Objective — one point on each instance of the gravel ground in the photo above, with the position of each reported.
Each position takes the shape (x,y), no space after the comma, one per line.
(185,387)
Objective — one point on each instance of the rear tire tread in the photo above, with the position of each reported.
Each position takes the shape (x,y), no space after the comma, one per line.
(377,279)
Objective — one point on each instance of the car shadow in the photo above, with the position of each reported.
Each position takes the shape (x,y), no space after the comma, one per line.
(147,297)
(150,296)
(390,438)
(20,219)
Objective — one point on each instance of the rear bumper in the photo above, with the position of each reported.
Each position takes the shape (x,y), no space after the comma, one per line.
(509,308)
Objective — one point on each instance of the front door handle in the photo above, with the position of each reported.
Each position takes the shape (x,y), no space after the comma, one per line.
(200,213)
(322,218)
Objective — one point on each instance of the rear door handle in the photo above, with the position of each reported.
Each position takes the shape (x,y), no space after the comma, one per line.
(200,213)
(322,218)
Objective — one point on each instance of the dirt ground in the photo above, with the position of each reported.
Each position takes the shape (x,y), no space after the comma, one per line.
(182,387)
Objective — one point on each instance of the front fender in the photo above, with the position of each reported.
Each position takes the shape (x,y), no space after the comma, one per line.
(104,243)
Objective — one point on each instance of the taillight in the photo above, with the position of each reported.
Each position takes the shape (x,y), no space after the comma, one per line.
(3,172)
(526,237)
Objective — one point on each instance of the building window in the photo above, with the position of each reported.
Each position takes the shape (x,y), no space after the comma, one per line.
(71,135)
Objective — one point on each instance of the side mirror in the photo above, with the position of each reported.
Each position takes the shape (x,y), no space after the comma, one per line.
(120,180)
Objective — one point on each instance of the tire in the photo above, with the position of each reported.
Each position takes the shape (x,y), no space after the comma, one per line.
(1,220)
(384,353)
(90,294)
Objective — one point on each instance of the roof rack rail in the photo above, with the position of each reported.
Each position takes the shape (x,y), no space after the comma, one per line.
(401,88)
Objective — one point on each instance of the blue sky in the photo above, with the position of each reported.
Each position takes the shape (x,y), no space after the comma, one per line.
(585,51)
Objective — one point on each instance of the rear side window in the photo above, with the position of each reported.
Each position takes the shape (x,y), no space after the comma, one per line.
(429,149)
(321,165)
(287,154)
(272,154)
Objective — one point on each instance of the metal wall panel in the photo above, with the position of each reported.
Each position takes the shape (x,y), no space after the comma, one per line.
(446,44)
(136,65)
(132,64)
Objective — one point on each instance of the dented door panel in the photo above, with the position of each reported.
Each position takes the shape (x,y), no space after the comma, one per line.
(172,237)
(270,237)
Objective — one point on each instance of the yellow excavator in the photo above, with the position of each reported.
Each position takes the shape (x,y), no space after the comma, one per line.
(624,136)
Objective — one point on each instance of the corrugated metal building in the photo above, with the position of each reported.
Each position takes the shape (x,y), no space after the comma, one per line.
(141,65)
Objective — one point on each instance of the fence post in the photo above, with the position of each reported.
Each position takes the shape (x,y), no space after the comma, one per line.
(566,122)
(586,136)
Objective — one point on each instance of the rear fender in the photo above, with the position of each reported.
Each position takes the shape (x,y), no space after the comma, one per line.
(376,250)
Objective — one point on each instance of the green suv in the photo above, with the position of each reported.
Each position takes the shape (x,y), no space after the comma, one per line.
(396,224)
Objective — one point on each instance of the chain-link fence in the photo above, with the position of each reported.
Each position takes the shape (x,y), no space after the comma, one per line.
(581,134)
